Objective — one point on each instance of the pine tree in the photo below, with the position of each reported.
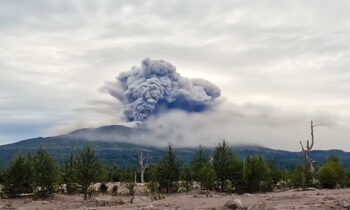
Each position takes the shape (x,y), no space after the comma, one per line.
(228,168)
(69,174)
(87,169)
(200,160)
(18,178)
(257,175)
(168,171)
(45,173)
(187,177)
(207,177)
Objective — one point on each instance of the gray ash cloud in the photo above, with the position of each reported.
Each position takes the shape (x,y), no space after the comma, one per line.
(155,87)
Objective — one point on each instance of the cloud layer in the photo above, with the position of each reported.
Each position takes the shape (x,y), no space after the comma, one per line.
(290,58)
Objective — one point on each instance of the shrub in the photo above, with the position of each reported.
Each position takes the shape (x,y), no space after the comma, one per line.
(332,173)
(327,176)
(301,177)
(115,190)
(153,186)
(103,188)
(131,187)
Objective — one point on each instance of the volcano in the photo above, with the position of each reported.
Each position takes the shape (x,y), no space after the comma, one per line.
(113,147)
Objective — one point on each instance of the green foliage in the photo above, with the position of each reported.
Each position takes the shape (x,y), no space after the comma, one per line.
(18,178)
(88,169)
(149,172)
(200,160)
(2,178)
(228,167)
(301,177)
(153,187)
(116,174)
(285,180)
(276,172)
(127,176)
(45,174)
(257,174)
(167,172)
(332,173)
(69,175)
(186,177)
(131,187)
(207,177)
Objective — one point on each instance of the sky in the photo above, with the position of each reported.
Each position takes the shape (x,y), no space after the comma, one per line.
(279,64)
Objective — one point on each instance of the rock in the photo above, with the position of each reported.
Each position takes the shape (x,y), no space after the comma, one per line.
(328,198)
(27,201)
(310,189)
(234,204)
(259,206)
(140,200)
(150,207)
(345,205)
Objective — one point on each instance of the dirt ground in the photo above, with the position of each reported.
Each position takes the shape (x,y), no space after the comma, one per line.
(290,199)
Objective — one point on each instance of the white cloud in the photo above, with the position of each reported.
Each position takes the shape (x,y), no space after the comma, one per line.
(290,55)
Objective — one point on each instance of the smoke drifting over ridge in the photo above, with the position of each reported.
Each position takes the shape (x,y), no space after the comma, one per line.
(156,87)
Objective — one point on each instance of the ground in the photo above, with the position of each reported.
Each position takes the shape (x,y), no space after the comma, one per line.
(289,199)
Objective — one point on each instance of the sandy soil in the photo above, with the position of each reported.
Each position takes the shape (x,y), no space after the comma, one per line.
(291,199)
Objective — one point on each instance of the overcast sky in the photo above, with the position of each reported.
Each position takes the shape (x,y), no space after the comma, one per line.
(279,64)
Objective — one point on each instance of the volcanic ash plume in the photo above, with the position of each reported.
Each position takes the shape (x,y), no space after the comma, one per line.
(156,87)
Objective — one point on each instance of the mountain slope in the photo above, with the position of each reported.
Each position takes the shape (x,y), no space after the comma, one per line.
(109,143)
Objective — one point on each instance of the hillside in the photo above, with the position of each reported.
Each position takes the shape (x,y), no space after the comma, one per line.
(109,143)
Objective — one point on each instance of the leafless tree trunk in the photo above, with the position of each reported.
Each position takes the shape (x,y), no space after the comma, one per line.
(309,148)
(143,165)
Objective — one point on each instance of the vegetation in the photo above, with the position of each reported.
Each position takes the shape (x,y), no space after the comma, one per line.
(225,172)
(88,169)
(207,177)
(301,177)
(332,173)
(68,175)
(200,160)
(18,179)
(228,169)
(45,173)
(257,175)
(167,172)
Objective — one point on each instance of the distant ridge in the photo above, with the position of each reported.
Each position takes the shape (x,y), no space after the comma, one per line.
(110,143)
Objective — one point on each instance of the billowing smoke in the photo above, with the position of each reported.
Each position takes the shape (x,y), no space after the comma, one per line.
(156,87)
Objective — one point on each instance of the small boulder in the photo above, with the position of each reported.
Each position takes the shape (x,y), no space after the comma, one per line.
(234,204)
(259,206)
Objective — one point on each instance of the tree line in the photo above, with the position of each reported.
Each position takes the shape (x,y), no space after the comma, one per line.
(224,171)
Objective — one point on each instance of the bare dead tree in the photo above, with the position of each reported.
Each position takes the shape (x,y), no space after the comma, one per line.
(144,164)
(309,147)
